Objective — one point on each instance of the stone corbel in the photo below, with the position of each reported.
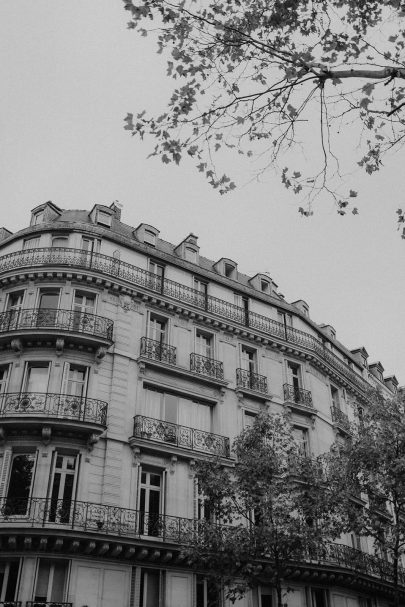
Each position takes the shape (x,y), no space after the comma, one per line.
(222,393)
(173,462)
(100,353)
(142,369)
(92,440)
(60,344)
(16,346)
(46,433)
(191,466)
(240,397)
(2,435)
(136,453)
(313,419)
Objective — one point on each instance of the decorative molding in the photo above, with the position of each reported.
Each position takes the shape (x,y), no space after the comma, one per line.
(46,434)
(16,346)
(100,353)
(59,345)
(173,462)
(92,440)
(136,453)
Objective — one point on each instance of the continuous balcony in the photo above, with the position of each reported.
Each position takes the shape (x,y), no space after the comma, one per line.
(110,266)
(157,350)
(36,323)
(10,604)
(47,604)
(340,420)
(247,380)
(191,439)
(206,366)
(61,411)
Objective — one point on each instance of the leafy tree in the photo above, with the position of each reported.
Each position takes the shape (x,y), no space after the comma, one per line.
(277,80)
(271,509)
(373,466)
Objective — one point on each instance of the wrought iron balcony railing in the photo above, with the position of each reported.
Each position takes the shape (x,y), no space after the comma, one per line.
(157,350)
(340,418)
(77,258)
(58,406)
(47,604)
(38,512)
(61,320)
(10,603)
(206,366)
(181,436)
(298,396)
(251,381)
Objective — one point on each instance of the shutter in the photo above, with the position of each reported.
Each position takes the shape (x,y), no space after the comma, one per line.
(163,498)
(65,378)
(195,498)
(5,472)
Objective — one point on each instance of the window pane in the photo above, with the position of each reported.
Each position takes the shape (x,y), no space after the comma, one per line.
(37,378)
(20,483)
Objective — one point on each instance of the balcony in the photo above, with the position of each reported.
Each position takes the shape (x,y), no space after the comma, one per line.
(47,604)
(65,410)
(48,322)
(192,439)
(298,399)
(340,420)
(10,604)
(206,366)
(90,517)
(247,380)
(157,350)
(110,266)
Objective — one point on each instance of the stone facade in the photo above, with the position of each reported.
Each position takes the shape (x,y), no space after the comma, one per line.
(123,360)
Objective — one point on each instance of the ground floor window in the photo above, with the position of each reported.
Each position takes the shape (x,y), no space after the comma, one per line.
(8,580)
(151,588)
(51,580)
(207,593)
(319,597)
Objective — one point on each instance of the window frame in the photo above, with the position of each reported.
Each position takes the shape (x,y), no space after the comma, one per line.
(103,218)
(51,562)
(38,364)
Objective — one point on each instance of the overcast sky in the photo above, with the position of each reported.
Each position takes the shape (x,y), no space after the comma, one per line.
(70,71)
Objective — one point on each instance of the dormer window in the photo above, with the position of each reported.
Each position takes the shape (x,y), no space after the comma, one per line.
(104,219)
(150,238)
(38,218)
(228,270)
(265,286)
(191,254)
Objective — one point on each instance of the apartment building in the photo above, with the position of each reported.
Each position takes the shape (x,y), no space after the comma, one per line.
(124,359)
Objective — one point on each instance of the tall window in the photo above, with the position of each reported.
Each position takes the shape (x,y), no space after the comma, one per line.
(36,377)
(75,379)
(202,288)
(62,487)
(302,439)
(207,593)
(320,597)
(90,247)
(335,397)
(51,580)
(84,304)
(8,580)
(157,329)
(20,483)
(294,375)
(31,243)
(48,302)
(204,344)
(248,359)
(191,254)
(4,375)
(150,502)
(15,302)
(149,238)
(158,271)
(248,419)
(151,588)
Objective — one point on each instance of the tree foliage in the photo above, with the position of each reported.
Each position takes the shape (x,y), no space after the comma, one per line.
(372,467)
(289,84)
(272,508)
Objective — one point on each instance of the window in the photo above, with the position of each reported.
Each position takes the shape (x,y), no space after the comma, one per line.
(149,238)
(200,286)
(63,485)
(91,245)
(356,541)
(294,376)
(151,588)
(335,397)
(60,241)
(51,580)
(38,218)
(265,286)
(301,437)
(202,509)
(15,302)
(286,320)
(158,328)
(48,303)
(31,243)
(36,377)
(248,419)
(320,597)
(248,359)
(204,344)
(176,410)
(229,270)
(207,593)
(8,580)
(4,375)
(150,502)
(84,305)
(75,378)
(104,219)
(158,271)
(191,255)
(20,483)
(265,596)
